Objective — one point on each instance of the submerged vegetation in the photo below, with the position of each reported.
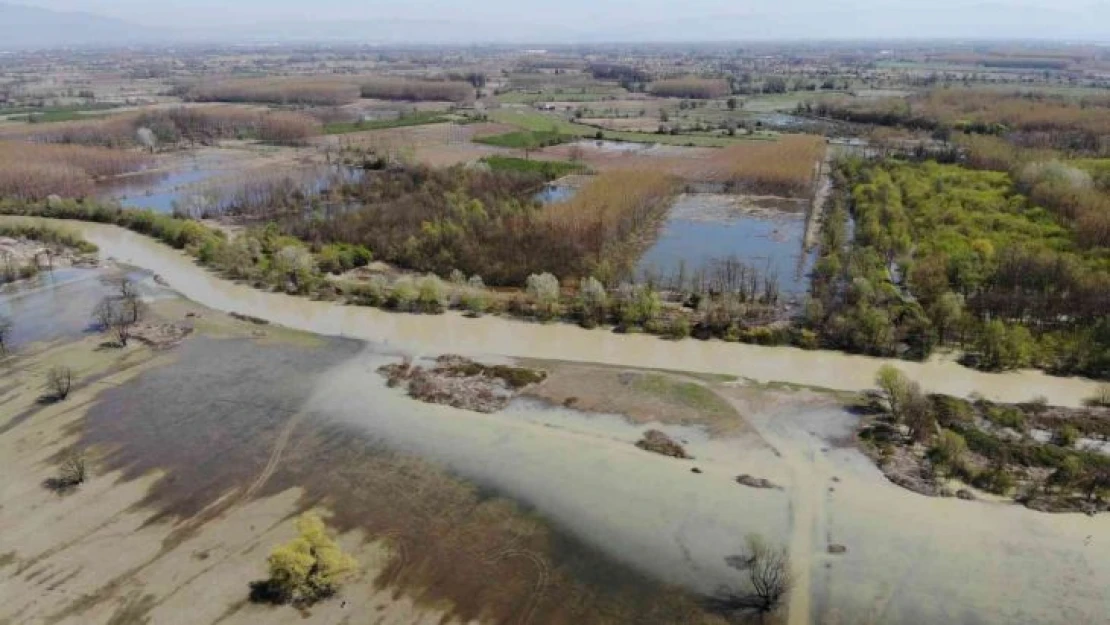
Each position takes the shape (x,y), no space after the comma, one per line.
(947,255)
(1042,457)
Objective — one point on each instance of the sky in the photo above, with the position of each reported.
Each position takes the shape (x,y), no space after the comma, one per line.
(598,20)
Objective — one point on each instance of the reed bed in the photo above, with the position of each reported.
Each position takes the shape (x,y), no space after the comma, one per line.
(609,220)
(30,171)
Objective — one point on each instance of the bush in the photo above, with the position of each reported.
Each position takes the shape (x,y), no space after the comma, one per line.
(678,328)
(997,480)
(593,302)
(543,290)
(431,294)
(403,295)
(1066,436)
(309,568)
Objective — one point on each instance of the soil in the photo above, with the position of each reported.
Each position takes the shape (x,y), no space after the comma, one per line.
(658,442)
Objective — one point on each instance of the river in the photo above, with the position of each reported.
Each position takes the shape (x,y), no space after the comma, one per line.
(453,332)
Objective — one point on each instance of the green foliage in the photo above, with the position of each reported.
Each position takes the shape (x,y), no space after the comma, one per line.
(946,254)
(543,289)
(340,257)
(526,139)
(418,118)
(549,170)
(1066,436)
(309,568)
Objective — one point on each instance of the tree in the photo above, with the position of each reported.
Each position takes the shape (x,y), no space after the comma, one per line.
(5,332)
(59,381)
(917,413)
(895,385)
(307,569)
(120,312)
(769,576)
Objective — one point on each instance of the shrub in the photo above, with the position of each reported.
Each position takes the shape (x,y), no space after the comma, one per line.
(543,290)
(309,568)
(59,381)
(431,294)
(678,328)
(1066,436)
(997,480)
(593,301)
(404,294)
(949,449)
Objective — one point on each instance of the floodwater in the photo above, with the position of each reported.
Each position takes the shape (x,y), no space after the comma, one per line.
(555,193)
(58,304)
(581,471)
(705,227)
(509,337)
(910,559)
(160,191)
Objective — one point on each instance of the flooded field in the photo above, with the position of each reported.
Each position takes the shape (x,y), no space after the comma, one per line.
(58,304)
(207,452)
(765,234)
(161,191)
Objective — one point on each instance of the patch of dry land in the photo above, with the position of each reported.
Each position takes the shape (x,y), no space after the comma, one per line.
(538,509)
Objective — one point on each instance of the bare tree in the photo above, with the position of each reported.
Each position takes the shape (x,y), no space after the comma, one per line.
(5,332)
(59,381)
(120,312)
(769,577)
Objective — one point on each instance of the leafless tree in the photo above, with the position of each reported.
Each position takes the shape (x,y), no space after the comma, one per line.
(5,332)
(59,381)
(769,577)
(120,312)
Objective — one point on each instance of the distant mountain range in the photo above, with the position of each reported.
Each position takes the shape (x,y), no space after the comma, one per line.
(24,27)
(30,27)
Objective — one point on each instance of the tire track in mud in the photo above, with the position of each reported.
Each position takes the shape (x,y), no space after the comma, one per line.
(274,460)
(543,576)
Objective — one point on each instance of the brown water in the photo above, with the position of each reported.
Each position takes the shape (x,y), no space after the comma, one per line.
(508,337)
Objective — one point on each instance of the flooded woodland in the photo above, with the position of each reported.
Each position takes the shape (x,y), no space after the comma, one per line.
(202,454)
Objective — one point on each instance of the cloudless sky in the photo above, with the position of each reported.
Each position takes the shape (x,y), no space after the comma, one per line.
(668,19)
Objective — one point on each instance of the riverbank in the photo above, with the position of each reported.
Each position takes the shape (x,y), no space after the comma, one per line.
(455,333)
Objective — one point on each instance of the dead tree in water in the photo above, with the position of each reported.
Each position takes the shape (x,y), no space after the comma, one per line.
(769,577)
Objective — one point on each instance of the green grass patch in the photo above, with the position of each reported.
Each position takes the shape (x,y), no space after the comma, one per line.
(683,393)
(536,121)
(412,119)
(526,139)
(548,169)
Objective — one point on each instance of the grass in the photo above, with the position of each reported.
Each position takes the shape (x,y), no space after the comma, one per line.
(47,117)
(690,394)
(535,121)
(414,119)
(526,139)
(548,169)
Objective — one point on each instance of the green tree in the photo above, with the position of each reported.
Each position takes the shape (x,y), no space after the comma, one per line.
(895,387)
(309,568)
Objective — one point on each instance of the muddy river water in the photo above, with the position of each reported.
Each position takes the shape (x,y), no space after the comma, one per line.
(910,560)
(508,337)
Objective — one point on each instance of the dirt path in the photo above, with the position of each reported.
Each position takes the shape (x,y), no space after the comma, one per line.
(817,207)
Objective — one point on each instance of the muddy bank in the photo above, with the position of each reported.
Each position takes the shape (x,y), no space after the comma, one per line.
(456,334)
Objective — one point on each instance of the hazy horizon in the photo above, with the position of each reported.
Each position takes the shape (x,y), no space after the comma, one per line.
(595,21)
